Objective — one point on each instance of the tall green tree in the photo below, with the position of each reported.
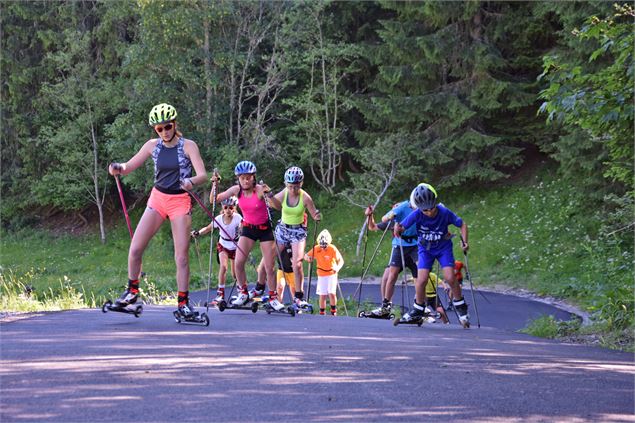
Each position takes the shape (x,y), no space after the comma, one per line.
(457,81)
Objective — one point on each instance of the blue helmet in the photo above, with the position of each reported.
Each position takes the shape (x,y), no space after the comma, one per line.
(244,167)
(293,175)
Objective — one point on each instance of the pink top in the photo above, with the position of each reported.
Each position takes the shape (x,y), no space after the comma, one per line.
(254,209)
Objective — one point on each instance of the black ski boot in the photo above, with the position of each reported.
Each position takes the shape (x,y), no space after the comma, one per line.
(461,308)
(415,316)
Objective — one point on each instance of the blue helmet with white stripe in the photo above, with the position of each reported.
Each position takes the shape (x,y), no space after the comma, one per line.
(244,167)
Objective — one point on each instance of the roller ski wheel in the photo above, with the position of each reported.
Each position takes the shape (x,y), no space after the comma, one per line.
(371,315)
(287,310)
(465,323)
(195,319)
(108,306)
(222,305)
(254,307)
(401,321)
(308,309)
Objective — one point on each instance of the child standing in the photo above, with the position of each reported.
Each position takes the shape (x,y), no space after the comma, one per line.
(435,243)
(329,262)
(229,223)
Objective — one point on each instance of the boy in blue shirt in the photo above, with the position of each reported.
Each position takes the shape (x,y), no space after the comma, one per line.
(408,241)
(431,220)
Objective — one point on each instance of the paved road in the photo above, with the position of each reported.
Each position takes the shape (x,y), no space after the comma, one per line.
(496,310)
(83,365)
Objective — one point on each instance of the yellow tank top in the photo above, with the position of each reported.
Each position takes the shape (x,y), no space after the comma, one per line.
(293,215)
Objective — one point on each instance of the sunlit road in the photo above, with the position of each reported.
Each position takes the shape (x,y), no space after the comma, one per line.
(84,366)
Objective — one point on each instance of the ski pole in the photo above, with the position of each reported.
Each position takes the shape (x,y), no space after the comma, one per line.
(342,296)
(404,281)
(315,228)
(123,205)
(370,262)
(125,213)
(469,279)
(275,241)
(211,244)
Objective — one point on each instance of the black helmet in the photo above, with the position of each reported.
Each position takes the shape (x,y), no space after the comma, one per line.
(423,197)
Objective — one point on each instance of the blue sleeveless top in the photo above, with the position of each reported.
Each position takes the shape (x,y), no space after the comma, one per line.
(171,165)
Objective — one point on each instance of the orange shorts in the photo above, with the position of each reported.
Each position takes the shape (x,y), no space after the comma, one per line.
(170,205)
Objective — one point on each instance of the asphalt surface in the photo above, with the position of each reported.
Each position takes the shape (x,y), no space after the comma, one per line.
(85,366)
(495,310)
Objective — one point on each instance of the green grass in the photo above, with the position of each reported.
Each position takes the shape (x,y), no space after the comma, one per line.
(537,235)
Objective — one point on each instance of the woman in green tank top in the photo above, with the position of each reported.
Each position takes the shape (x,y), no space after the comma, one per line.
(294,201)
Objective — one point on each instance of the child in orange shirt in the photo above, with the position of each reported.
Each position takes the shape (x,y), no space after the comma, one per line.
(329,262)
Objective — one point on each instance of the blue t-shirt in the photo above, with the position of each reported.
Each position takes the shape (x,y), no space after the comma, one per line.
(432,230)
(399,213)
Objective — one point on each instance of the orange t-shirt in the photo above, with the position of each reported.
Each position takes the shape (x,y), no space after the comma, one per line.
(327,259)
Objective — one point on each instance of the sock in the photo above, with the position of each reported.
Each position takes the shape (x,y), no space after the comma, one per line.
(273,295)
(322,311)
(133,286)
(299,295)
(260,287)
(244,289)
(333,309)
(183,297)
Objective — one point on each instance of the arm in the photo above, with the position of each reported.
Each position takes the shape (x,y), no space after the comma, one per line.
(275,201)
(202,231)
(227,193)
(136,160)
(310,206)
(464,243)
(372,226)
(192,151)
(339,260)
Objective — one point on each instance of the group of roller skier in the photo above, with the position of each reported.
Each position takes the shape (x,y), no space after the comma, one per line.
(420,232)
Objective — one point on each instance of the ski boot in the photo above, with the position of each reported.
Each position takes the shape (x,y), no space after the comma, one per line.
(187,314)
(220,296)
(240,302)
(122,304)
(414,317)
(302,306)
(461,309)
(275,306)
(383,312)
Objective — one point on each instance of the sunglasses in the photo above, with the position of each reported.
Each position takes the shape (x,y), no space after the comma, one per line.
(229,207)
(426,210)
(166,127)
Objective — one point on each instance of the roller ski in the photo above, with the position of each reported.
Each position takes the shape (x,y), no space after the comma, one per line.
(124,304)
(302,307)
(275,306)
(186,314)
(383,312)
(242,301)
(418,316)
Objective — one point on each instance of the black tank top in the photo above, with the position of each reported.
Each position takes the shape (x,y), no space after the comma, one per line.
(171,165)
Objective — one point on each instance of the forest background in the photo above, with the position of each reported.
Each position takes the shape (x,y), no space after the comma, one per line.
(519,113)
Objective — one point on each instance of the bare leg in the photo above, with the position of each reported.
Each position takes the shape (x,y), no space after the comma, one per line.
(420,285)
(393,275)
(148,226)
(222,269)
(268,254)
(382,285)
(245,244)
(181,227)
(455,286)
(297,255)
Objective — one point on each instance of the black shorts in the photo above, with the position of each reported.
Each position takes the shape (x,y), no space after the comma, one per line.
(411,256)
(260,233)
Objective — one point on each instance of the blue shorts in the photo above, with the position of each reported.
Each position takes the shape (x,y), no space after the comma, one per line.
(443,254)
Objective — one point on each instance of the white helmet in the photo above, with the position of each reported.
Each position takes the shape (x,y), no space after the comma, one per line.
(324,238)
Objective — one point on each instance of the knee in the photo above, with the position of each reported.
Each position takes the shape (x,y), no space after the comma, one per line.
(135,252)
(182,260)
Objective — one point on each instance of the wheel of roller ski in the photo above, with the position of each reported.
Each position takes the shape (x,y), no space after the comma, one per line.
(361,314)
(392,316)
(107,304)
(138,310)
(269,310)
(254,307)
(177,316)
(420,322)
(291,311)
(222,305)
(311,308)
(395,321)
(205,319)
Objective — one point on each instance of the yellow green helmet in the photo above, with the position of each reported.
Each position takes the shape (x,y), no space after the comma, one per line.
(161,113)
